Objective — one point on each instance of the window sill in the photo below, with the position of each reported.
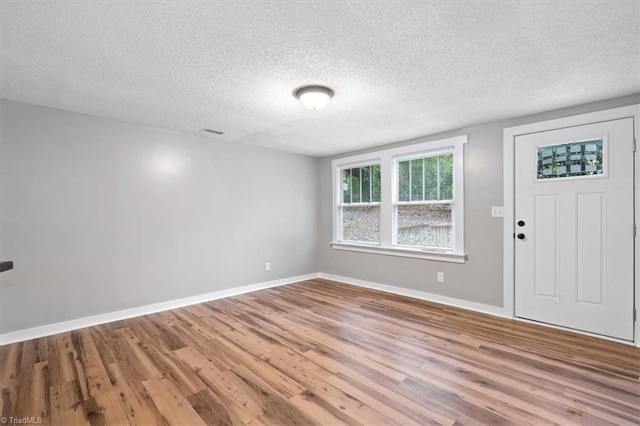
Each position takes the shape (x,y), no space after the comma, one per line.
(401,252)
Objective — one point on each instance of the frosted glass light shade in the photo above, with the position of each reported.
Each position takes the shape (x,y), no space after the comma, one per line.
(314,97)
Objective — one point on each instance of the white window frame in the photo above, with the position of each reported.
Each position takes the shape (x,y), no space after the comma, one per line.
(397,203)
(341,204)
(388,160)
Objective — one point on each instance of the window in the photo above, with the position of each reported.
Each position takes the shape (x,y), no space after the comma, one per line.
(573,159)
(425,197)
(360,207)
(404,201)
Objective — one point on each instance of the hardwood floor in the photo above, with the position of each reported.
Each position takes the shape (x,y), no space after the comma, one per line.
(320,352)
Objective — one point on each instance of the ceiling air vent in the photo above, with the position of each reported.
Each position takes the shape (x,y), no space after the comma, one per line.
(215,132)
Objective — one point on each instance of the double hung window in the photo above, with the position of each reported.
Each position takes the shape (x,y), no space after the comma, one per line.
(406,201)
(360,204)
(425,198)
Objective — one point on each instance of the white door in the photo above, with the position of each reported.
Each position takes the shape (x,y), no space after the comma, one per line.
(574,227)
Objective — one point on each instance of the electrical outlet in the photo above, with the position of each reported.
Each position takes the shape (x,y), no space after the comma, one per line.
(497,211)
(440,277)
(267,266)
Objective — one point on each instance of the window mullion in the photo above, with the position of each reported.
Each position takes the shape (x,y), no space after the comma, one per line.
(387,198)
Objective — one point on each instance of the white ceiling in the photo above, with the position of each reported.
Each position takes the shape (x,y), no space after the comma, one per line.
(399,69)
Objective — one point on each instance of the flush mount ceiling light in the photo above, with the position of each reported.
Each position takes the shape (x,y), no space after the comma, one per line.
(314,97)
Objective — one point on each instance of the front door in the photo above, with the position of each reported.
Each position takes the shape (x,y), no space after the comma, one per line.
(574,230)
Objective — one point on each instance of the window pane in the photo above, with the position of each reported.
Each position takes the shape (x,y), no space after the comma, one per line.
(361,223)
(355,185)
(403,181)
(425,225)
(446,177)
(431,178)
(375,176)
(361,184)
(346,186)
(571,159)
(366,184)
(417,183)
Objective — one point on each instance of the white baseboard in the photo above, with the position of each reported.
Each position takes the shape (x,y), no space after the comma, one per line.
(458,303)
(65,326)
(75,324)
(450,301)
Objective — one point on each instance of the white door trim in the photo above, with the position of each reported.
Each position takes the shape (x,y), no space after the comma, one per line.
(510,134)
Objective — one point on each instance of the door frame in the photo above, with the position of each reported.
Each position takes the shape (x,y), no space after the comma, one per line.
(510,135)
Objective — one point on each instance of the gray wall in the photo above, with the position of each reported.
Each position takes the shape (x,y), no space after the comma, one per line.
(480,278)
(101,215)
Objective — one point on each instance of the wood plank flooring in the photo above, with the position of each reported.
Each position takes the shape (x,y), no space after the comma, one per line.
(320,353)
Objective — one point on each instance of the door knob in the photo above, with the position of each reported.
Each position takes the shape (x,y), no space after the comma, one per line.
(521,223)
(521,236)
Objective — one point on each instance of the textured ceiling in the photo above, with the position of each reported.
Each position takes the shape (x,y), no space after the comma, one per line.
(399,69)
